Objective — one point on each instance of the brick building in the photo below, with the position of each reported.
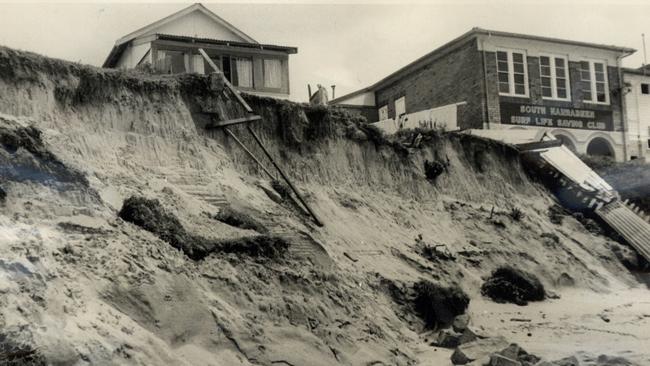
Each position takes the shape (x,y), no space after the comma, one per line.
(507,81)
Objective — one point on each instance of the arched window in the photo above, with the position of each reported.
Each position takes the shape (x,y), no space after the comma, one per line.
(600,147)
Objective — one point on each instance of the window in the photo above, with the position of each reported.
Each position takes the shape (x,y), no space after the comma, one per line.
(171,62)
(593,75)
(555,79)
(383,113)
(272,73)
(198,65)
(242,72)
(645,88)
(512,73)
(400,107)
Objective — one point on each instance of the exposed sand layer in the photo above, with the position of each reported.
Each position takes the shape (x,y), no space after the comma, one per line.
(81,286)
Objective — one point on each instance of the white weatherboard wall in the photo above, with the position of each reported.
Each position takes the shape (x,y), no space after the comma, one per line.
(132,56)
(365,99)
(637,107)
(445,118)
(196,24)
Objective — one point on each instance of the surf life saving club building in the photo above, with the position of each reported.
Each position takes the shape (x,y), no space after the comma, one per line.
(499,80)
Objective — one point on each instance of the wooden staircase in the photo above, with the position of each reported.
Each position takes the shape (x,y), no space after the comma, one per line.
(199,187)
(303,245)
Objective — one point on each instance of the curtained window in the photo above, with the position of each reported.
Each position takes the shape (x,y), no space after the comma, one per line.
(272,73)
(243,72)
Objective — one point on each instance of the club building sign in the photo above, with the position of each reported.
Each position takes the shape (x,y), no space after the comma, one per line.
(556,117)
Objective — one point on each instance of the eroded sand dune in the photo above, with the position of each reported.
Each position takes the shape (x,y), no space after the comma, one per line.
(81,286)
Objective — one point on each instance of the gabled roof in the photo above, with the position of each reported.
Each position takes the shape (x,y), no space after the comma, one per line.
(473,33)
(195,7)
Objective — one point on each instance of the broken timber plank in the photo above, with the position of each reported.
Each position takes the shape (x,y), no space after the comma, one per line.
(230,122)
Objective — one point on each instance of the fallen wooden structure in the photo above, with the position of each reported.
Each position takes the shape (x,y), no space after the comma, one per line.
(590,191)
(247,120)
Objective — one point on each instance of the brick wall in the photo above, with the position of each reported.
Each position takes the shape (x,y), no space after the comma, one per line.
(535,90)
(452,77)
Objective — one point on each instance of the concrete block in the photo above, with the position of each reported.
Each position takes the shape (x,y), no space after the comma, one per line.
(447,338)
(477,349)
(460,323)
(512,351)
(500,360)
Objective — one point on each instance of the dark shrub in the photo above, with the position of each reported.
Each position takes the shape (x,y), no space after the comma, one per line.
(433,169)
(516,214)
(229,216)
(150,215)
(375,135)
(512,285)
(19,353)
(556,214)
(256,246)
(3,196)
(437,305)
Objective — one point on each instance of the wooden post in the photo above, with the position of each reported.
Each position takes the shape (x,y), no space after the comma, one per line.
(249,153)
(286,179)
(228,84)
(250,110)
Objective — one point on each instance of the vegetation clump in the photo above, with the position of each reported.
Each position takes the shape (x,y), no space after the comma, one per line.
(516,214)
(151,216)
(556,214)
(229,216)
(15,352)
(438,305)
(511,285)
(433,169)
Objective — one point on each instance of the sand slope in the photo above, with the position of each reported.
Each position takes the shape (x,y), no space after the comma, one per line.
(81,286)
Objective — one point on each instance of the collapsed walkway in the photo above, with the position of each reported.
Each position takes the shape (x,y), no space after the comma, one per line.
(578,186)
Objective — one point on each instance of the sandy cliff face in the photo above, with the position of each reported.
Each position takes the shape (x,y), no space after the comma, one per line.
(82,286)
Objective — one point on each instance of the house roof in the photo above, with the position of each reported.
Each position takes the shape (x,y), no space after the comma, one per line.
(122,43)
(195,7)
(259,46)
(117,51)
(473,33)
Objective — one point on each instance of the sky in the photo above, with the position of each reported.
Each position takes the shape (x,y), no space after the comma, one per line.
(350,44)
